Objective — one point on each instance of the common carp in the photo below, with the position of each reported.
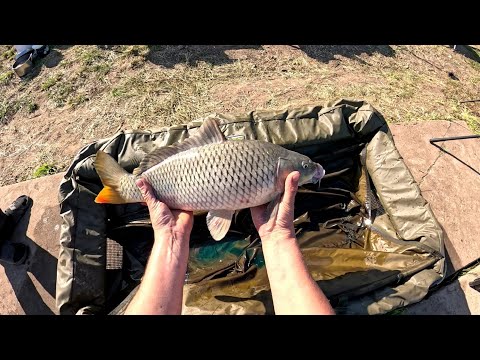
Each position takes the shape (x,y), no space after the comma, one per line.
(207,172)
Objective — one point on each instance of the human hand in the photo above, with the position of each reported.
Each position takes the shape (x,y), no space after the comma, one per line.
(282,226)
(178,223)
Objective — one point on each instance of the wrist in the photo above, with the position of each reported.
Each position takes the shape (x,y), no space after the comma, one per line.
(276,238)
(280,252)
(169,235)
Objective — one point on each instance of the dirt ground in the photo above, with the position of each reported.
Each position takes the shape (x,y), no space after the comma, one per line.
(79,94)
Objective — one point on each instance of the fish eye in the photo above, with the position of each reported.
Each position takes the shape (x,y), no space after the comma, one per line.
(305,165)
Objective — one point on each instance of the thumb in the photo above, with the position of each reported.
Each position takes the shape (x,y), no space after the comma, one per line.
(291,186)
(285,213)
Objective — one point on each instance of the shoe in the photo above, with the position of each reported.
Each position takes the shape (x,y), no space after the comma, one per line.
(13,253)
(24,64)
(43,51)
(14,214)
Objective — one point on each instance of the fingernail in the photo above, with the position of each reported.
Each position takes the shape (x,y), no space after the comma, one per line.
(296,176)
(141,184)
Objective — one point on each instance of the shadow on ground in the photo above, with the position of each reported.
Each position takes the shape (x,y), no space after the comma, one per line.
(41,264)
(456,158)
(469,52)
(326,53)
(170,55)
(454,301)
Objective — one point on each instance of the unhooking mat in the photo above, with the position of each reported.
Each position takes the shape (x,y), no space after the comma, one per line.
(369,238)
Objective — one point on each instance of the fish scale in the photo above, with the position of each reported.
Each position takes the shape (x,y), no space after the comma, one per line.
(218,184)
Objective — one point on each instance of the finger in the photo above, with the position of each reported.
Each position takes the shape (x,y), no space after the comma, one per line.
(183,222)
(185,217)
(291,186)
(285,212)
(147,191)
(150,199)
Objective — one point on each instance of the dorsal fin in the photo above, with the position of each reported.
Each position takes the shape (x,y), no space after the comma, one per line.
(141,151)
(207,133)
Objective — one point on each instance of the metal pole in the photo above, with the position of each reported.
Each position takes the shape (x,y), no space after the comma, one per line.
(469,101)
(434,140)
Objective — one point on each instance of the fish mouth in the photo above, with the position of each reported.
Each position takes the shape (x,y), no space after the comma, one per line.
(318,175)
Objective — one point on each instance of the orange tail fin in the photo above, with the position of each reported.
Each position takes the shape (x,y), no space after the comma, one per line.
(110,172)
(109,195)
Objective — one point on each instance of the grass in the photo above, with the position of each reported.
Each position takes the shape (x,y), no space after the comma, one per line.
(4,110)
(9,54)
(24,105)
(31,107)
(119,92)
(95,90)
(134,50)
(77,100)
(158,95)
(473,121)
(50,82)
(101,69)
(6,77)
(474,64)
(44,170)
(61,93)
(90,56)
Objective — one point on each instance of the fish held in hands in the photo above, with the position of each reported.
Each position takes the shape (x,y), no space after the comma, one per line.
(207,172)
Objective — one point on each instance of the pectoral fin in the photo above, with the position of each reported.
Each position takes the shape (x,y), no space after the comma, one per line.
(284,167)
(218,222)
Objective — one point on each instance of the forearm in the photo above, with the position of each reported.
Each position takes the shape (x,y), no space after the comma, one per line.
(293,289)
(161,289)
